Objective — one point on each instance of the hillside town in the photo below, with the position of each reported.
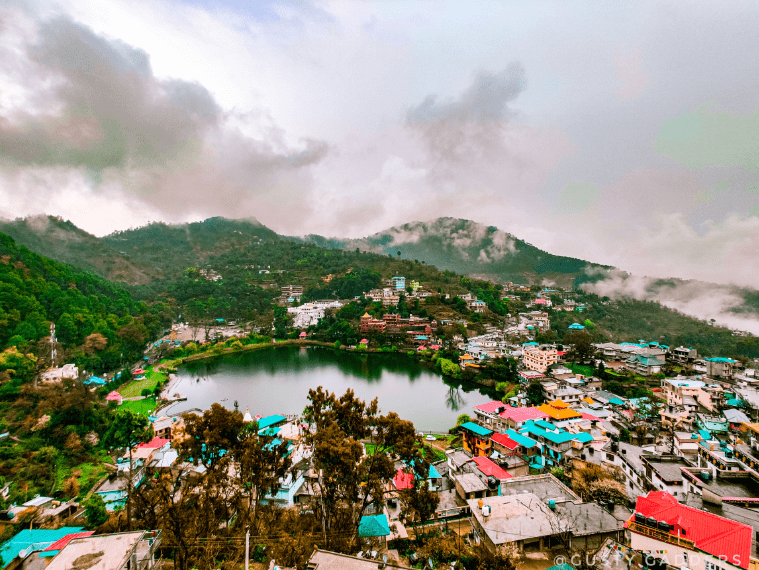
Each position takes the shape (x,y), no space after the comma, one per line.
(602,454)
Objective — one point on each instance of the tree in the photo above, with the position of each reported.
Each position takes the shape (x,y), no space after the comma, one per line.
(349,479)
(94,343)
(462,419)
(535,393)
(95,511)
(585,482)
(582,346)
(127,430)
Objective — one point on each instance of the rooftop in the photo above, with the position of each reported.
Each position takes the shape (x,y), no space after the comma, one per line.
(523,414)
(710,533)
(667,467)
(105,552)
(26,538)
(323,560)
(479,430)
(545,487)
(516,517)
(489,468)
(470,483)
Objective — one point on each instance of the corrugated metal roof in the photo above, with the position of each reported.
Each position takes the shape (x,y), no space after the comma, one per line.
(41,538)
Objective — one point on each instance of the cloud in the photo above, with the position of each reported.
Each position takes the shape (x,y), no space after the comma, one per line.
(96,108)
(705,301)
(470,126)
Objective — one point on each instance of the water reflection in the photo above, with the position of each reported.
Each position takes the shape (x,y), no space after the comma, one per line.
(277,381)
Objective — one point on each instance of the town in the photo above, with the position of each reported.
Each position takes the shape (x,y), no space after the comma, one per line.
(601,454)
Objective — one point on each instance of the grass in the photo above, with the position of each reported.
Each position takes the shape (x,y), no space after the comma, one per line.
(141,407)
(584,369)
(433,454)
(135,388)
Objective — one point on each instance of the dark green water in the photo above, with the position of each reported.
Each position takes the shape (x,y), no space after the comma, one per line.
(276,381)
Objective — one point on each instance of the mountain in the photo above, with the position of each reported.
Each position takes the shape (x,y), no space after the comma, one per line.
(136,256)
(470,248)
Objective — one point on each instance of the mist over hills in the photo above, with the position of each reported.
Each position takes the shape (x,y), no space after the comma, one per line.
(163,251)
(469,248)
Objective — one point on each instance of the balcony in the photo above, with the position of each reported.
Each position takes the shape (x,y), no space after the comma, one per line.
(660,535)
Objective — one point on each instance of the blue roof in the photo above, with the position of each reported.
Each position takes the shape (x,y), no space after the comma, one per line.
(616,401)
(373,525)
(531,427)
(269,431)
(576,326)
(94,380)
(544,424)
(522,440)
(705,435)
(479,430)
(584,437)
(434,473)
(734,402)
(719,359)
(37,538)
(530,344)
(270,420)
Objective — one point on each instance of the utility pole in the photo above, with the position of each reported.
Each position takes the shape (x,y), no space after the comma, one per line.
(247,547)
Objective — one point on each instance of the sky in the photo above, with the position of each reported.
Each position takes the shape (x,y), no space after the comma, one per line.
(624,133)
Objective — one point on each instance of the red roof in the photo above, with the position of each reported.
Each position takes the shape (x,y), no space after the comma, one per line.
(540,301)
(302,335)
(156,442)
(490,407)
(364,341)
(586,416)
(61,543)
(710,533)
(113,396)
(505,440)
(523,414)
(403,480)
(490,469)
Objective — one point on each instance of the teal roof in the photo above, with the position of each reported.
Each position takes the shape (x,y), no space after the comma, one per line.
(37,539)
(530,344)
(269,431)
(373,525)
(705,435)
(584,437)
(576,326)
(479,430)
(544,424)
(564,566)
(719,359)
(561,437)
(734,402)
(94,380)
(522,440)
(270,420)
(616,402)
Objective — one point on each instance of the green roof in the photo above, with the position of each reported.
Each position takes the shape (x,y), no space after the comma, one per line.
(373,525)
(37,539)
(479,430)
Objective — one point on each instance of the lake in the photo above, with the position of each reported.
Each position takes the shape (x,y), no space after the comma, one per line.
(277,380)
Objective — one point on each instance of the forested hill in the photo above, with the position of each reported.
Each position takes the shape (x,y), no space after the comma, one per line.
(468,248)
(35,291)
(137,256)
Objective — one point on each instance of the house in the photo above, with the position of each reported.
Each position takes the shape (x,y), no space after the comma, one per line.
(554,443)
(28,543)
(720,367)
(686,444)
(683,355)
(561,390)
(325,560)
(679,535)
(120,551)
(488,414)
(514,418)
(404,478)
(664,472)
(471,486)
(559,411)
(67,371)
(399,283)
(490,469)
(645,365)
(521,519)
(735,418)
(476,439)
(626,459)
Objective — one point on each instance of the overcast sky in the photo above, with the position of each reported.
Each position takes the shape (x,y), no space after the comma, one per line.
(624,133)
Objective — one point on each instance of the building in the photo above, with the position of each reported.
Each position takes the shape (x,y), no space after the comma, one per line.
(29,541)
(626,459)
(664,472)
(120,551)
(399,283)
(675,390)
(682,536)
(645,365)
(683,355)
(559,411)
(325,560)
(720,367)
(514,418)
(522,519)
(69,371)
(476,439)
(539,358)
(369,324)
(554,443)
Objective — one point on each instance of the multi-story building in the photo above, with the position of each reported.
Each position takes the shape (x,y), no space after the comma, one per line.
(674,534)
(675,390)
(476,439)
(683,355)
(539,358)
(720,367)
